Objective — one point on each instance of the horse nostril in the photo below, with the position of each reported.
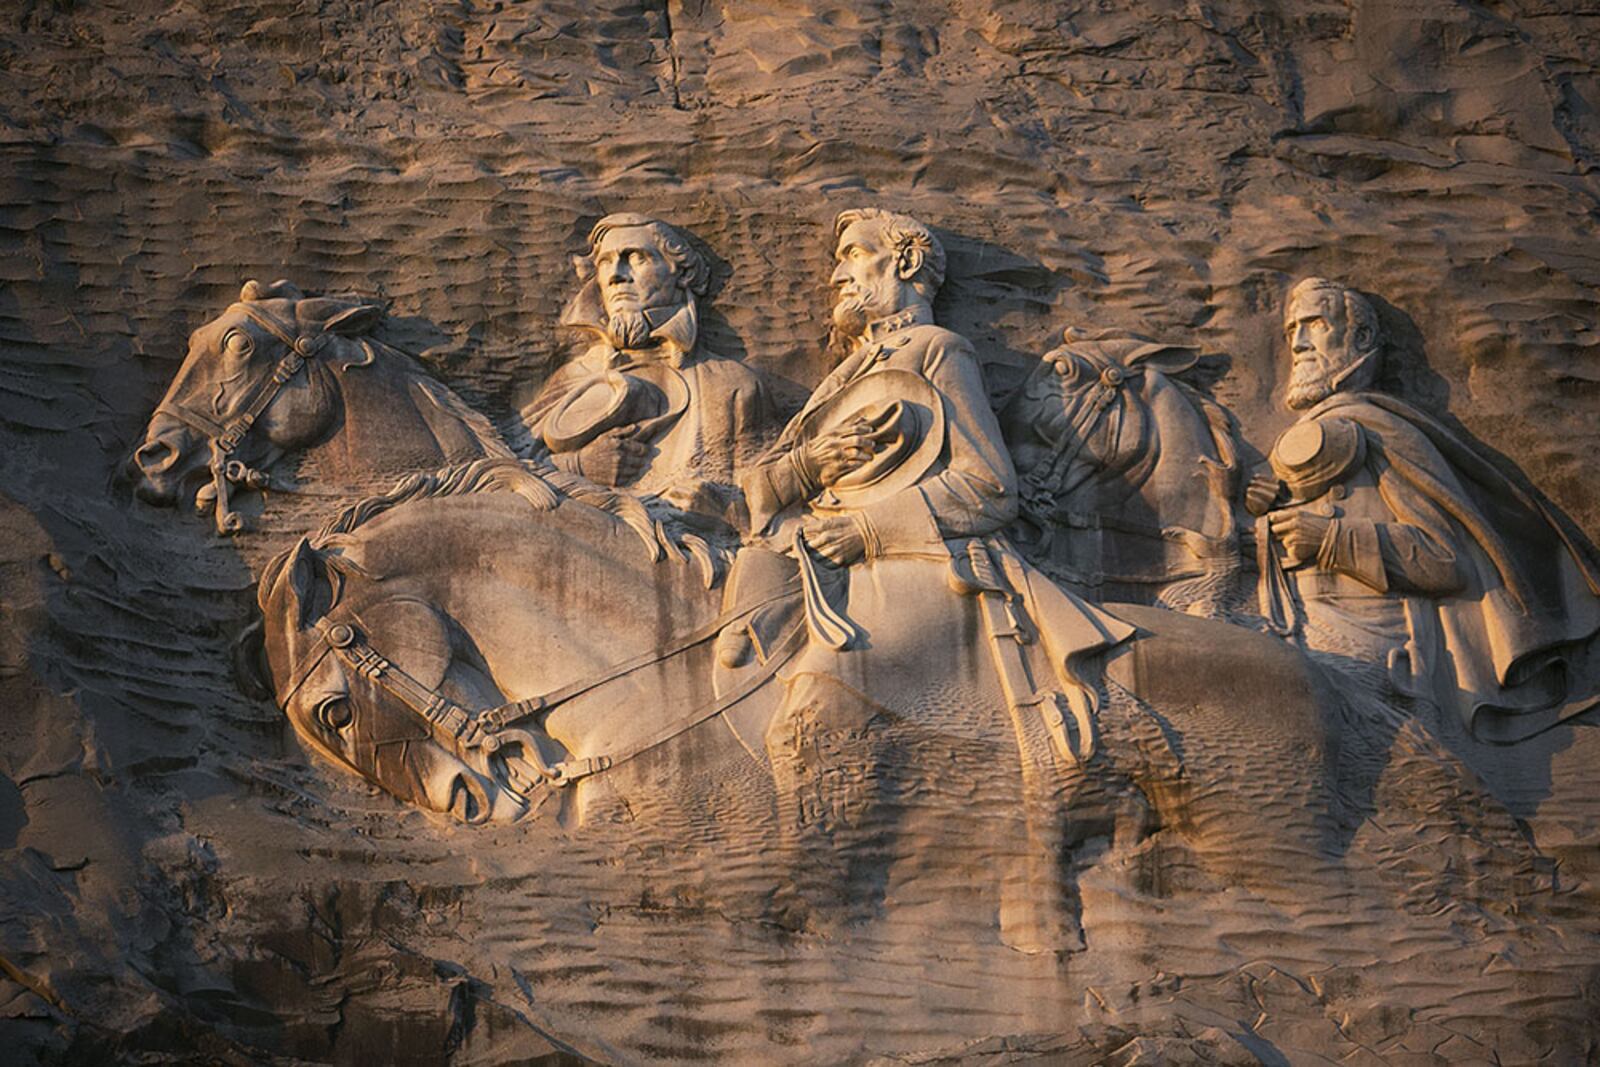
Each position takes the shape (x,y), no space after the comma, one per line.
(155,470)
(155,457)
(467,800)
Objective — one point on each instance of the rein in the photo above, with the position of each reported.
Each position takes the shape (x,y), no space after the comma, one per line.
(476,736)
(225,438)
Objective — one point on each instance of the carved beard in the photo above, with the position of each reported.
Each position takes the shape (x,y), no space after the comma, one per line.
(628,328)
(1309,388)
(1312,381)
(850,320)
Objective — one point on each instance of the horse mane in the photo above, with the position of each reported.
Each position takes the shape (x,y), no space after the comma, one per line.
(541,485)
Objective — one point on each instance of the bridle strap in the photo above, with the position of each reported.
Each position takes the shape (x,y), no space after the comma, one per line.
(1084,423)
(460,729)
(784,649)
(227,437)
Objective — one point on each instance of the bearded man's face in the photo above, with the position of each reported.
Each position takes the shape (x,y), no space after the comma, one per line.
(867,284)
(1318,335)
(634,276)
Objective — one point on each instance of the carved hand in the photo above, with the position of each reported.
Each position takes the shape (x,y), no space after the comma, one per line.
(837,453)
(837,539)
(1262,492)
(613,458)
(1301,532)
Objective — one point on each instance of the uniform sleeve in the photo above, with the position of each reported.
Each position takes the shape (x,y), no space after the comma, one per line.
(975,492)
(1403,557)
(775,481)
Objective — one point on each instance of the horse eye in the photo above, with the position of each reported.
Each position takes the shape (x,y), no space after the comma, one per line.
(334,713)
(237,343)
(1068,367)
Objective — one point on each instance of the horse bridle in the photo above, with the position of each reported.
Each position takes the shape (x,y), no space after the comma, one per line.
(1044,481)
(226,438)
(475,737)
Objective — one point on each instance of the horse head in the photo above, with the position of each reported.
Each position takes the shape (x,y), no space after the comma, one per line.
(350,704)
(241,399)
(1085,415)
(1127,475)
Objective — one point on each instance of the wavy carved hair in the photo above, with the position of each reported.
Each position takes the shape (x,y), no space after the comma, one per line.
(902,232)
(694,273)
(1360,317)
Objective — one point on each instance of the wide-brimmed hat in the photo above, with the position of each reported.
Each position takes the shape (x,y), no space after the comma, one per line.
(613,398)
(1314,455)
(904,412)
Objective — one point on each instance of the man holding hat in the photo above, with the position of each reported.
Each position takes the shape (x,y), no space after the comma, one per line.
(889,268)
(890,490)
(1387,542)
(647,407)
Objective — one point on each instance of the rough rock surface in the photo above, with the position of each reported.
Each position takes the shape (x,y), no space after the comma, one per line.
(178,881)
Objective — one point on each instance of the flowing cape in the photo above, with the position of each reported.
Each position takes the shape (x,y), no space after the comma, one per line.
(1511,645)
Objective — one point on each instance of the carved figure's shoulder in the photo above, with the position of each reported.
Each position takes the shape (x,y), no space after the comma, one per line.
(1389,420)
(932,345)
(933,334)
(729,373)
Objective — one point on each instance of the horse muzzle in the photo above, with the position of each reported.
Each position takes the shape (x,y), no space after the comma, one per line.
(170,458)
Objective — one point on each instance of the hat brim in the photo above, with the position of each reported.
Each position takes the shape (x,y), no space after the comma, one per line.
(917,410)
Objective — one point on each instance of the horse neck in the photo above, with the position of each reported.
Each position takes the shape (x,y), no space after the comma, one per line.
(1166,459)
(542,598)
(394,418)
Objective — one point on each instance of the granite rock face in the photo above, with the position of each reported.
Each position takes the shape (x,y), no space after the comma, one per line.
(179,880)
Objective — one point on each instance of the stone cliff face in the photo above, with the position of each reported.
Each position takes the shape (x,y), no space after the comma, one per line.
(178,881)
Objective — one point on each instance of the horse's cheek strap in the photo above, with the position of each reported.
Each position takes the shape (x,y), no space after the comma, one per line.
(320,653)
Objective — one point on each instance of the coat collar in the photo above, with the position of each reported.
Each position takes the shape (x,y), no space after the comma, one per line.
(675,328)
(904,319)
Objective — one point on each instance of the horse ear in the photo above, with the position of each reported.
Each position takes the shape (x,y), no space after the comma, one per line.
(1168,359)
(353,322)
(338,316)
(301,574)
(249,656)
(282,288)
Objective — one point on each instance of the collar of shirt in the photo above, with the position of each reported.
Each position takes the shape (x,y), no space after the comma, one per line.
(675,328)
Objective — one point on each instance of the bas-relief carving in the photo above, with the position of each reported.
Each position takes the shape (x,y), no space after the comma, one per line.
(647,406)
(915,589)
(281,374)
(1128,475)
(877,604)
(1388,544)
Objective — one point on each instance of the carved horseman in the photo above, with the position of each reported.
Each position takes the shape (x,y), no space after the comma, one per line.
(895,474)
(646,407)
(890,489)
(1393,545)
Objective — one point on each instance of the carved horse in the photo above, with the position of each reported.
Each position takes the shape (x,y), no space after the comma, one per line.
(281,373)
(1128,476)
(482,641)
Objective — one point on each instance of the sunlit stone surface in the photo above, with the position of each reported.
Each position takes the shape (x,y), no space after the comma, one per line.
(901,532)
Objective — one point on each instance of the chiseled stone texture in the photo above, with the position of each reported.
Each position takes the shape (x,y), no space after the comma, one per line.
(179,881)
